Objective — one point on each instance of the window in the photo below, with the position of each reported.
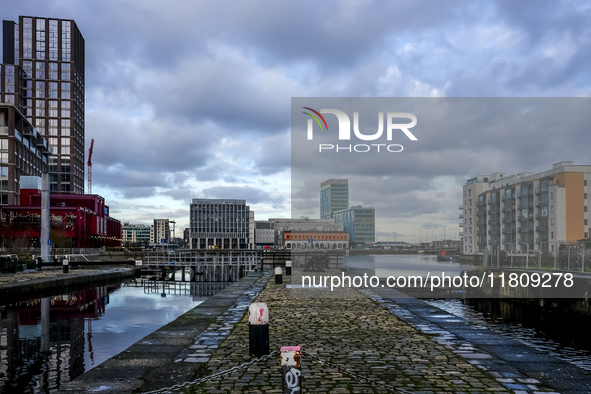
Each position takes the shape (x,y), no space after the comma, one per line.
(585,196)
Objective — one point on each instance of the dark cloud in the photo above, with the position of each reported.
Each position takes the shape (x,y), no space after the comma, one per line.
(188,99)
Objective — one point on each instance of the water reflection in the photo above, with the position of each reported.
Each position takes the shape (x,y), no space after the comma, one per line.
(384,265)
(47,342)
(564,335)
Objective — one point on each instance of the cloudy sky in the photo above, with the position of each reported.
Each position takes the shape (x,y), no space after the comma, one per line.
(191,99)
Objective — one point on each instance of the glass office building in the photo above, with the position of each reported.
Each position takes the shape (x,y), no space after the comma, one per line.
(334,196)
(50,52)
(221,224)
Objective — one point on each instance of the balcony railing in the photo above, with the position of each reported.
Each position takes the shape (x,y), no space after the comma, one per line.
(461,207)
(461,216)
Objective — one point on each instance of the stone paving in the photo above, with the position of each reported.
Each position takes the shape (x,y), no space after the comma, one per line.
(345,328)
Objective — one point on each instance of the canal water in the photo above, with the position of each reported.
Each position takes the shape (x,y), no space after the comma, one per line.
(563,335)
(41,349)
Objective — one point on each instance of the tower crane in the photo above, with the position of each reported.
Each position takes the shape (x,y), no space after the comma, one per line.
(90,167)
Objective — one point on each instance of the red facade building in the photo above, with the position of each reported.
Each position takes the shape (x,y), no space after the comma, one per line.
(76,221)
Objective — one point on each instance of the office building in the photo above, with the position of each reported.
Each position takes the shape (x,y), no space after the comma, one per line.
(23,152)
(76,221)
(282,226)
(359,223)
(527,211)
(221,223)
(264,234)
(135,235)
(50,54)
(334,196)
(324,240)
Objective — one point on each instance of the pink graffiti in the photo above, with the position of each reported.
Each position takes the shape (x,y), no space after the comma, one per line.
(262,312)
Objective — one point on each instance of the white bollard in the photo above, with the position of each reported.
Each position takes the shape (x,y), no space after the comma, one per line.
(278,276)
(291,369)
(288,267)
(258,329)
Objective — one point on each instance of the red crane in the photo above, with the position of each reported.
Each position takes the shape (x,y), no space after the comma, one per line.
(90,167)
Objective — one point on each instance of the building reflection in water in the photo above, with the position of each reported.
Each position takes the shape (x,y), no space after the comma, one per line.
(47,342)
(42,341)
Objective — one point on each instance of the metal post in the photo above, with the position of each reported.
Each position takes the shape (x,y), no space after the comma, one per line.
(288,267)
(527,257)
(568,259)
(258,329)
(44,236)
(583,258)
(291,369)
(65,266)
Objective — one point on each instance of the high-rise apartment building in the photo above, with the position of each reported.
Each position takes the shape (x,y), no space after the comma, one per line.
(527,211)
(334,196)
(160,232)
(49,52)
(221,223)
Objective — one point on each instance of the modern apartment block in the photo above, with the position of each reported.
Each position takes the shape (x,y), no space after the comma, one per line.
(49,53)
(359,223)
(527,211)
(221,223)
(23,152)
(334,196)
(160,232)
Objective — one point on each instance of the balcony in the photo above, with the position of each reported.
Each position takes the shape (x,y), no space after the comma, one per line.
(461,207)
(461,216)
(461,224)
(461,233)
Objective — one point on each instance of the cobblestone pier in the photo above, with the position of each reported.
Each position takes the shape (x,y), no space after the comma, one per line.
(353,341)
(347,329)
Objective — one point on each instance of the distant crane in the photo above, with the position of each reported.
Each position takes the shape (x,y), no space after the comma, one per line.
(90,167)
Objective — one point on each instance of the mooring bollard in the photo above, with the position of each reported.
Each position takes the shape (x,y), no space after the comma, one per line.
(288,267)
(65,266)
(258,329)
(278,276)
(291,369)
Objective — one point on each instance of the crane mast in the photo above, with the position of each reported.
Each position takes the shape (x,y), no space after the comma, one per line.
(90,167)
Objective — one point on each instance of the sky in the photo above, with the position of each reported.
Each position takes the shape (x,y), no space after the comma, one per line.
(192,99)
